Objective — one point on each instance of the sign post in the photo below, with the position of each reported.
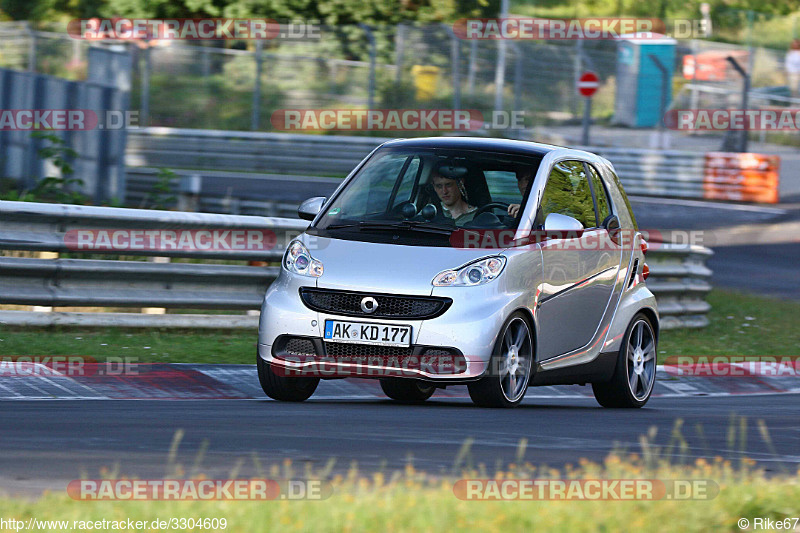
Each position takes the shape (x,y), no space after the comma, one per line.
(587,86)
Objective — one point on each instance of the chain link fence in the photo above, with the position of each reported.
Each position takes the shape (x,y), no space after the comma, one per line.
(237,85)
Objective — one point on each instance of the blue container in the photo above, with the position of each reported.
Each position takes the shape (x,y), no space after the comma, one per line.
(639,80)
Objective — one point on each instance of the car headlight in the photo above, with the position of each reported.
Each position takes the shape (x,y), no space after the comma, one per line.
(297,259)
(477,273)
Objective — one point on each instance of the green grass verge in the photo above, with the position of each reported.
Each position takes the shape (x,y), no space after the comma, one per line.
(136,345)
(741,324)
(412,501)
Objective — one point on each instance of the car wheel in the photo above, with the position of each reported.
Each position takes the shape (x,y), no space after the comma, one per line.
(287,389)
(407,390)
(509,372)
(635,371)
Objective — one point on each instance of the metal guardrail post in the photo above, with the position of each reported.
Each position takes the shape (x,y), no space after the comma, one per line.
(455,61)
(31,49)
(144,97)
(399,50)
(373,53)
(500,68)
(255,117)
(741,145)
(473,66)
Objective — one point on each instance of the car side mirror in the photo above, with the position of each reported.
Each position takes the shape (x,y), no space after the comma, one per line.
(310,208)
(562,223)
(611,225)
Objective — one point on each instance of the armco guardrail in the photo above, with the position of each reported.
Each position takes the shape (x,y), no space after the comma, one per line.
(114,283)
(670,173)
(270,153)
(678,276)
(218,156)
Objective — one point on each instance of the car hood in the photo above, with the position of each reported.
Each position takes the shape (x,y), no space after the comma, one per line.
(388,268)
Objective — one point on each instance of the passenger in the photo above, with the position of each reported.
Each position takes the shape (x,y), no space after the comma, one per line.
(523,179)
(453,196)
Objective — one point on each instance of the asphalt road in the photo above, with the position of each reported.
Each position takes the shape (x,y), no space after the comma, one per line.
(47,443)
(765,269)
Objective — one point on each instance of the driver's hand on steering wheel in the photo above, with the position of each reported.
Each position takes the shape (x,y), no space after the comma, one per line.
(513,210)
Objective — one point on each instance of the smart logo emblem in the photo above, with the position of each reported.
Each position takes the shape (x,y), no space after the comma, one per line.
(369,304)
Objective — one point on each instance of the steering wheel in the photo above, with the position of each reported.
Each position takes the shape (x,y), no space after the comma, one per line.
(490,206)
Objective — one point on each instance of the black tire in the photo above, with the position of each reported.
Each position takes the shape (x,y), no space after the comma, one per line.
(488,391)
(617,392)
(286,389)
(408,391)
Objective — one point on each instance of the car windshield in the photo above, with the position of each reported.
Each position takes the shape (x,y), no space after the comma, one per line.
(430,190)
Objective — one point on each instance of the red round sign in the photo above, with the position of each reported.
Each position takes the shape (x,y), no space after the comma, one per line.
(588,83)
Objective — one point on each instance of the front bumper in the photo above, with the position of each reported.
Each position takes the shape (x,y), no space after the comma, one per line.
(468,329)
(336,360)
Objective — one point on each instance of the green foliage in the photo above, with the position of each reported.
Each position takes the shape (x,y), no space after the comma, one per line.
(161,195)
(55,189)
(405,498)
(330,12)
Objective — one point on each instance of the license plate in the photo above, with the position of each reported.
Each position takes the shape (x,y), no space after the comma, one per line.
(365,333)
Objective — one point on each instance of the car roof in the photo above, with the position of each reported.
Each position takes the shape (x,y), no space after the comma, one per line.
(476,143)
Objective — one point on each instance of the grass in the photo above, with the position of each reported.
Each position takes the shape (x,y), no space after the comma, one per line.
(140,345)
(413,501)
(740,324)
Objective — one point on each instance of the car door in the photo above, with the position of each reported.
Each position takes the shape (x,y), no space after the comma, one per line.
(580,271)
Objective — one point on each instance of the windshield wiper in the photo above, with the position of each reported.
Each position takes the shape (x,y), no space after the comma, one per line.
(407,225)
(339,226)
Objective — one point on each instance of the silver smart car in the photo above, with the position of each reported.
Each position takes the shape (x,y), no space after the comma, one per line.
(490,263)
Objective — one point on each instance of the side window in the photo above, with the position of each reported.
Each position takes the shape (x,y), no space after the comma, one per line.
(567,193)
(503,186)
(603,205)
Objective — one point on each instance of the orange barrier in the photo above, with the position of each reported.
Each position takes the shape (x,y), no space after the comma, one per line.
(741,177)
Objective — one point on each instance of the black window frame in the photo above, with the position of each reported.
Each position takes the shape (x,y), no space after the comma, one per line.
(589,168)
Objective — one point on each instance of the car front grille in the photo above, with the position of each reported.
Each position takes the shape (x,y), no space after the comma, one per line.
(342,349)
(432,359)
(389,306)
(299,346)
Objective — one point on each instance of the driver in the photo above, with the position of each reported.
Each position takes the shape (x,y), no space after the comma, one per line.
(523,179)
(453,196)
